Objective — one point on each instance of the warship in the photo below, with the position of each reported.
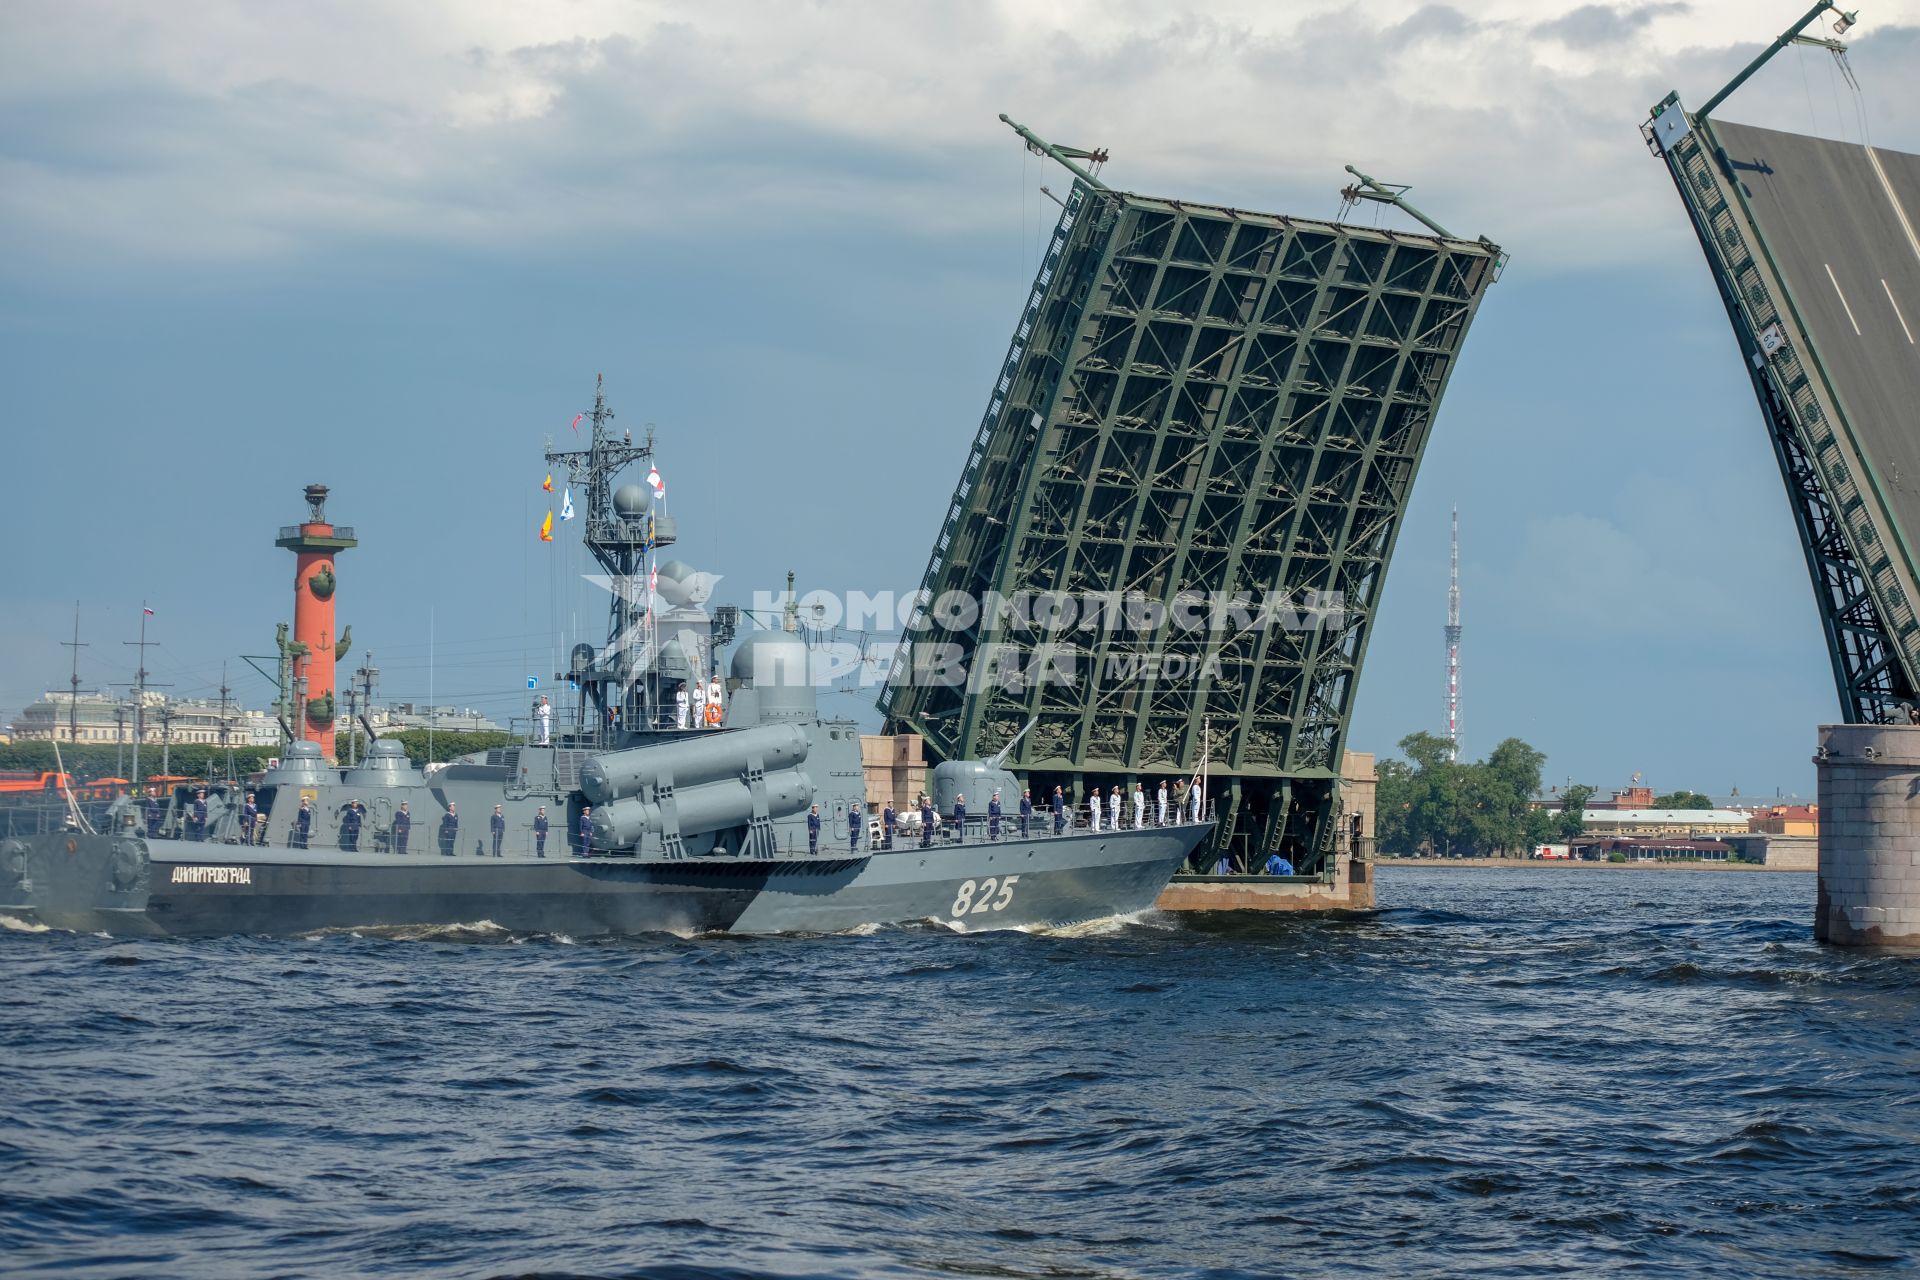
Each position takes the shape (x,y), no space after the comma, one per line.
(629,816)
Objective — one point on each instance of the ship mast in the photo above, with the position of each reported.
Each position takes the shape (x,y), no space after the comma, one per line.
(617,542)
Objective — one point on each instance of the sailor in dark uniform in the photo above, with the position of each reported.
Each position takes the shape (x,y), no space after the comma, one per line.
(813,829)
(887,819)
(303,823)
(1059,811)
(197,827)
(153,816)
(926,822)
(853,826)
(249,819)
(350,828)
(960,819)
(402,828)
(1026,812)
(540,825)
(993,817)
(449,830)
(499,824)
(586,831)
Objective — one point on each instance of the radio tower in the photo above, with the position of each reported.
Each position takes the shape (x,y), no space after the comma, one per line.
(1453,640)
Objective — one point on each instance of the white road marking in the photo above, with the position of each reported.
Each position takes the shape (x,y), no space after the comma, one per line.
(1843,300)
(1896,312)
(1898,212)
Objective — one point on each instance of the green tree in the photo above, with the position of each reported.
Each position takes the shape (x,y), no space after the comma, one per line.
(447,745)
(88,761)
(1682,800)
(1455,808)
(1573,818)
(1393,796)
(1543,827)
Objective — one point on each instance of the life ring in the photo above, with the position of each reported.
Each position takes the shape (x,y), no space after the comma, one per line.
(713,713)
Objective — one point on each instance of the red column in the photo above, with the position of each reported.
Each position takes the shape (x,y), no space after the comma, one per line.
(313,588)
(314,544)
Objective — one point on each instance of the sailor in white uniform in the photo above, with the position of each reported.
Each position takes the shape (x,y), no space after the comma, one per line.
(680,706)
(1194,800)
(1160,801)
(1093,810)
(543,722)
(714,700)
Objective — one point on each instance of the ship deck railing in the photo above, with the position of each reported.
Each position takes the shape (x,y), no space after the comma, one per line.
(979,828)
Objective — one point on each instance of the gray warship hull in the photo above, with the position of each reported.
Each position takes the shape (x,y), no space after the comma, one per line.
(657,820)
(130,886)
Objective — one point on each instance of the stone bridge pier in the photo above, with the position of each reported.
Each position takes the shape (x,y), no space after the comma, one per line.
(1869,835)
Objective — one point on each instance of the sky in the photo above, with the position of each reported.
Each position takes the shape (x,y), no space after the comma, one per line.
(388,246)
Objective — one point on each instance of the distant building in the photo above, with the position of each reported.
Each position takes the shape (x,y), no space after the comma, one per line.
(104,719)
(1652,849)
(401,716)
(1665,822)
(1786,820)
(1631,798)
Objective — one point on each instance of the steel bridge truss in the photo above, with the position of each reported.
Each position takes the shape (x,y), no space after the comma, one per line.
(1195,400)
(1866,610)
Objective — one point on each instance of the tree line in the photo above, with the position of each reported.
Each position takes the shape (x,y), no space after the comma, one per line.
(1432,802)
(88,761)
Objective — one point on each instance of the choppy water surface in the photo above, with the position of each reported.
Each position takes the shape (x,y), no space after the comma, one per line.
(1507,1072)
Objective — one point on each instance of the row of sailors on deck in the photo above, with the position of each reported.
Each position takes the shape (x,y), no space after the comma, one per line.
(1112,802)
(252,826)
(890,819)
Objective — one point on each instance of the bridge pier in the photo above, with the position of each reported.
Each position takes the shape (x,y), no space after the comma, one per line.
(1869,887)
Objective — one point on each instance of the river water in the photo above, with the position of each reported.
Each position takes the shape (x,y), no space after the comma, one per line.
(1505,1072)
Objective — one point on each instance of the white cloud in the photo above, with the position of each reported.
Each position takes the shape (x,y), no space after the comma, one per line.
(240,130)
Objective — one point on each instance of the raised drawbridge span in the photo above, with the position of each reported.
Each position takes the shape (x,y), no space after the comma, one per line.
(1813,245)
(1199,405)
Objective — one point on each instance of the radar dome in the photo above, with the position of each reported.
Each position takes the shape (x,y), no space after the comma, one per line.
(681,584)
(630,501)
(774,665)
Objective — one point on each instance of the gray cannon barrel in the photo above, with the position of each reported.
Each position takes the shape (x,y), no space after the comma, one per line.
(712,806)
(692,761)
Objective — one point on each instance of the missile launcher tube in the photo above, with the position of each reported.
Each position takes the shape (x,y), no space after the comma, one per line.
(711,806)
(691,761)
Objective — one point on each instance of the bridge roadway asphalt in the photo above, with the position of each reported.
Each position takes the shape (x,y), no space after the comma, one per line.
(1843,224)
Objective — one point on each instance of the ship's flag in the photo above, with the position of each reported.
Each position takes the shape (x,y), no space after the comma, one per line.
(566,505)
(653,579)
(547,485)
(147,611)
(575,424)
(659,485)
(546,528)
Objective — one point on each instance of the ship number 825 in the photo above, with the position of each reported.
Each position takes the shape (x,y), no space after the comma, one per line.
(976,899)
